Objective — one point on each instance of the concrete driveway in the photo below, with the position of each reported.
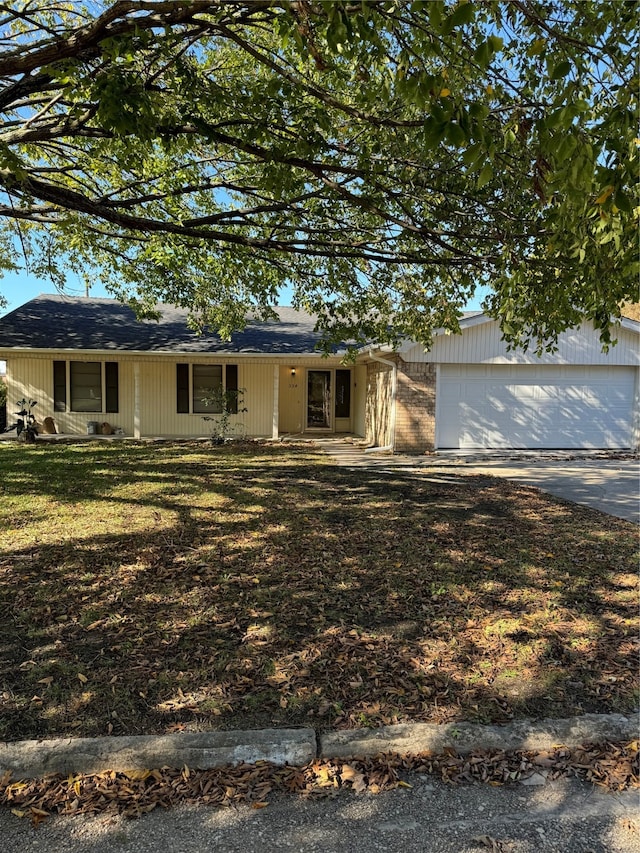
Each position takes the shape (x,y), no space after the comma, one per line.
(600,481)
(610,485)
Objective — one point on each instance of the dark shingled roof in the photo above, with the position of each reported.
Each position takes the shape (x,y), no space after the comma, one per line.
(62,322)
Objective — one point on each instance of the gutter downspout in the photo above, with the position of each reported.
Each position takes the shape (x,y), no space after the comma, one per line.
(394,389)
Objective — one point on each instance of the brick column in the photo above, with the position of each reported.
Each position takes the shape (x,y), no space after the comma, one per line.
(415,407)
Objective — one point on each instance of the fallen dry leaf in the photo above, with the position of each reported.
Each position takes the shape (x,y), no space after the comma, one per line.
(137,792)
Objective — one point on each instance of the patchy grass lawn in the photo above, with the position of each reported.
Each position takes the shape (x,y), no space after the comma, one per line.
(155,588)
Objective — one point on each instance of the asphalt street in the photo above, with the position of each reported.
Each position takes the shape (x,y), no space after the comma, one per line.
(429,817)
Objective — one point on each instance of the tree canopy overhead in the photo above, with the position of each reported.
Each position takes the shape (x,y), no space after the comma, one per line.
(383,159)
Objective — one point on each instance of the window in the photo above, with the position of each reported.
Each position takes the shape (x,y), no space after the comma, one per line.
(86,386)
(82,382)
(197,382)
(207,380)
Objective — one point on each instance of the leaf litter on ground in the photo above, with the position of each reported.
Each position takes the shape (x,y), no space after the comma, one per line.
(152,589)
(612,766)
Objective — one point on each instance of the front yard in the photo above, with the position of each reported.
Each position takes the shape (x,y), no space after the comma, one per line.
(160,588)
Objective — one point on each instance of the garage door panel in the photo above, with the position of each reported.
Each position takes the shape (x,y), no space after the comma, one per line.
(535,406)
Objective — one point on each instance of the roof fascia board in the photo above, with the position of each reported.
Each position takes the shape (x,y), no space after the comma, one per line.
(480,319)
(467,322)
(630,325)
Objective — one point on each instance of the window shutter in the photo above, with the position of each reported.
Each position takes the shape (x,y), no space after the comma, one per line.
(231,377)
(59,386)
(111,383)
(343,393)
(182,389)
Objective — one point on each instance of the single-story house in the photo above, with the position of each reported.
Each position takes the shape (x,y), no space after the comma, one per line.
(86,359)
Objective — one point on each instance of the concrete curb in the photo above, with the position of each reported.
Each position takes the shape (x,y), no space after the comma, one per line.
(203,750)
(32,758)
(413,738)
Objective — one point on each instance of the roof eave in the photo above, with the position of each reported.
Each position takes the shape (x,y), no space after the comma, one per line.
(630,325)
(170,353)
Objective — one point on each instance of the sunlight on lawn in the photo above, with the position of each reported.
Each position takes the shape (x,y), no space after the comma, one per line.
(240,587)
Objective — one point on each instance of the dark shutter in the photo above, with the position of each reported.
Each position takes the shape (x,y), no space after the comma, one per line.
(111,386)
(182,389)
(343,393)
(59,386)
(232,385)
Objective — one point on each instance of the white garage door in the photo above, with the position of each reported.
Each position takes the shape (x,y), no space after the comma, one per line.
(529,406)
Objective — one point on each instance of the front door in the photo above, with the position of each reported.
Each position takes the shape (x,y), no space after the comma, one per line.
(319,399)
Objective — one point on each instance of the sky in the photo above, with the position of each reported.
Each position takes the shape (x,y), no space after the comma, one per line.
(18,288)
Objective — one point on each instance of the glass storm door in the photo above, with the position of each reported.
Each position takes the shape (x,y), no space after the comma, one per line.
(318,399)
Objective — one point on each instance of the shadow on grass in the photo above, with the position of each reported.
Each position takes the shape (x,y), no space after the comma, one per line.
(148,588)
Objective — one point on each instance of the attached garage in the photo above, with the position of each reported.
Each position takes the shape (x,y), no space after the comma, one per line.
(535,406)
(480,395)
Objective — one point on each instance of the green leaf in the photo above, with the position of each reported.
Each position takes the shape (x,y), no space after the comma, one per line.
(485,175)
(464,13)
(472,154)
(562,69)
(455,134)
(436,13)
(478,111)
(434,130)
(536,47)
(482,54)
(622,202)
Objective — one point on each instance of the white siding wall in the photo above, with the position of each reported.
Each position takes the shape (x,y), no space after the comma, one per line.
(482,344)
(32,376)
(158,415)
